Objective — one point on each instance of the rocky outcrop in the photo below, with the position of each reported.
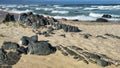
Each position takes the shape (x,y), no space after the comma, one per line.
(67,28)
(107,16)
(85,56)
(9,18)
(101,20)
(35,20)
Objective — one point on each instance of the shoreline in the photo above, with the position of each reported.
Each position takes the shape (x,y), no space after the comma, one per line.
(63,19)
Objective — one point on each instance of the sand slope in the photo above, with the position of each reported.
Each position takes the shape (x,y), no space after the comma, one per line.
(109,46)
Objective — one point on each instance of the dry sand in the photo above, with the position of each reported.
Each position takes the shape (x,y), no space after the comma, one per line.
(109,46)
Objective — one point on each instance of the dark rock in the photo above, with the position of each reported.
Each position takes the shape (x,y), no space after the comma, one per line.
(113,36)
(75,20)
(86,36)
(34,38)
(85,61)
(63,35)
(75,48)
(101,20)
(90,55)
(22,50)
(25,40)
(64,53)
(35,25)
(102,63)
(2,56)
(12,58)
(41,48)
(10,45)
(107,16)
(9,18)
(28,22)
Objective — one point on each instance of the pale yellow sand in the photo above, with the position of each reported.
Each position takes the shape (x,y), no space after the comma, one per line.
(109,46)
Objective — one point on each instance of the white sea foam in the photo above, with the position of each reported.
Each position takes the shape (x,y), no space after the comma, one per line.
(18,11)
(97,15)
(58,7)
(80,18)
(90,8)
(45,9)
(60,12)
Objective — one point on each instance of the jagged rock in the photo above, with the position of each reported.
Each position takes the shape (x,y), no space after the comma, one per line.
(22,50)
(41,48)
(63,35)
(35,25)
(10,45)
(36,20)
(107,16)
(90,55)
(86,36)
(101,20)
(113,36)
(2,56)
(34,38)
(12,58)
(102,63)
(26,40)
(75,48)
(9,18)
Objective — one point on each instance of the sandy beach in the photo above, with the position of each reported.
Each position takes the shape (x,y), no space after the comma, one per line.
(109,46)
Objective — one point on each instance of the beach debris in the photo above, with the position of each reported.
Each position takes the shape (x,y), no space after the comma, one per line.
(101,20)
(107,16)
(63,35)
(9,18)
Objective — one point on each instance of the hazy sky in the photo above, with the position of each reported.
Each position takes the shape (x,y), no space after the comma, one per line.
(63,1)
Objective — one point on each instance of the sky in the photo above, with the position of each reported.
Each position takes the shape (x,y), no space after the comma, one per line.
(63,1)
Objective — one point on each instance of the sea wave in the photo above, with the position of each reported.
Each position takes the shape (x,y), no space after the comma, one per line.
(18,11)
(60,12)
(99,15)
(117,7)
(45,9)
(80,18)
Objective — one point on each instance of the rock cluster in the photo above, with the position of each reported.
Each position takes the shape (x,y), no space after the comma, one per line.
(37,47)
(10,52)
(35,20)
(66,28)
(9,18)
(87,57)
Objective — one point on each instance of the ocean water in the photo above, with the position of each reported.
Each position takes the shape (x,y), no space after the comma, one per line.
(71,12)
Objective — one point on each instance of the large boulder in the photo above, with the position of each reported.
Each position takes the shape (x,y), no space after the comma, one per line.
(26,40)
(10,45)
(41,48)
(107,16)
(9,18)
(101,20)
(2,56)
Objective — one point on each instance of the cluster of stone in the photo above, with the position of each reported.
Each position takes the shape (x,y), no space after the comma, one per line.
(87,57)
